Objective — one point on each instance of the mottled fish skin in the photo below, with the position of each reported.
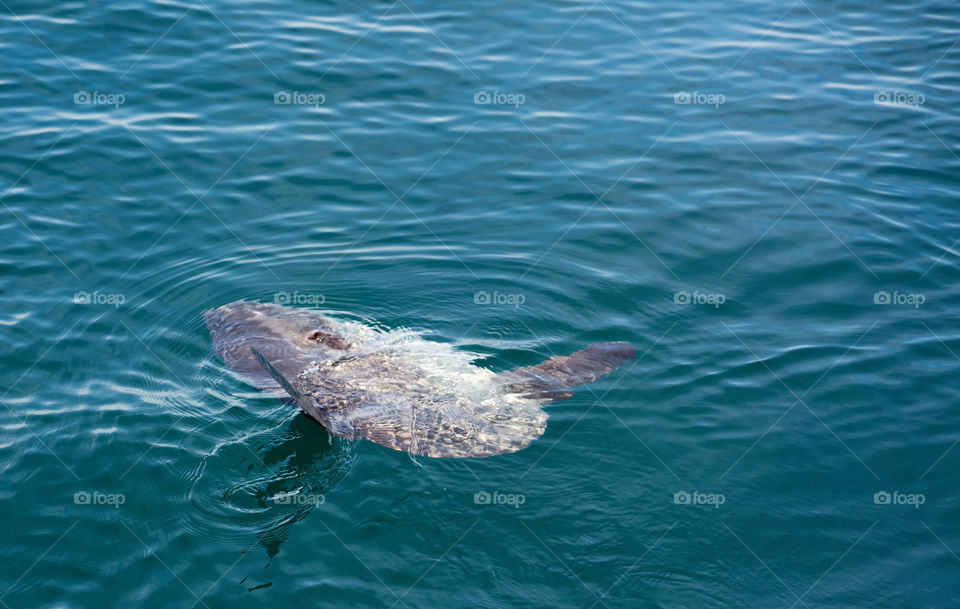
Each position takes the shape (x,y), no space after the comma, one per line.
(383,394)
(373,398)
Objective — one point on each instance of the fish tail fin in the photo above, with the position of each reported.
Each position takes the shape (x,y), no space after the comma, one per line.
(548,380)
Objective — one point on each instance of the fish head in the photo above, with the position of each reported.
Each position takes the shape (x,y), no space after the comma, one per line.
(291,338)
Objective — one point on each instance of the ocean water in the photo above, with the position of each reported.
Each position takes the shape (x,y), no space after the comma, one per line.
(761,197)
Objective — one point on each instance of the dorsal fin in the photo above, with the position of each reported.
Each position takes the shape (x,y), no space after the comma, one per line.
(548,380)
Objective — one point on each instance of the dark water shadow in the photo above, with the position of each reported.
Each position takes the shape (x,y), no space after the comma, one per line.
(317,461)
(254,489)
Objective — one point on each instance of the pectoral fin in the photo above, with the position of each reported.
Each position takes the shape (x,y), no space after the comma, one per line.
(302,401)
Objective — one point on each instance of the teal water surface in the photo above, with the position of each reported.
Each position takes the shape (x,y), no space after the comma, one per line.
(761,197)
